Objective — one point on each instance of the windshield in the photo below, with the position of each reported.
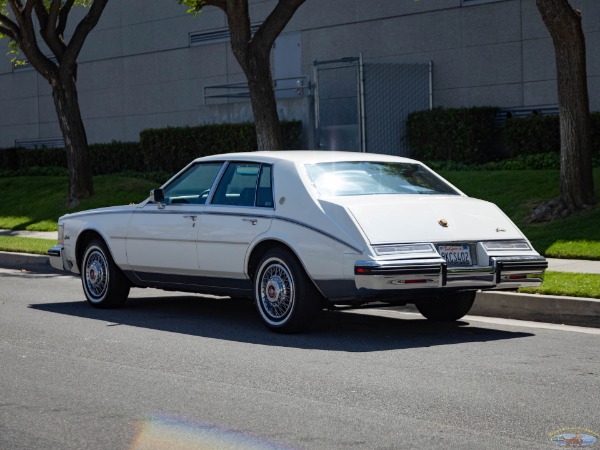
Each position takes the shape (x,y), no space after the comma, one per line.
(369,178)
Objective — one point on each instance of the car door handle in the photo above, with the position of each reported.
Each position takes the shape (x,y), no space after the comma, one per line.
(251,220)
(191,217)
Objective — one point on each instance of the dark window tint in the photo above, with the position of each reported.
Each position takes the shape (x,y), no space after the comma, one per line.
(193,185)
(238,185)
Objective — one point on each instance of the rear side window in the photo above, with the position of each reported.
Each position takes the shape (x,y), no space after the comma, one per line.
(264,196)
(245,184)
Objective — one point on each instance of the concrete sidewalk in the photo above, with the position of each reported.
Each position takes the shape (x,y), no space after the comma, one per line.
(540,308)
(33,234)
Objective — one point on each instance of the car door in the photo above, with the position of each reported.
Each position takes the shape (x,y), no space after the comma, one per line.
(161,237)
(240,210)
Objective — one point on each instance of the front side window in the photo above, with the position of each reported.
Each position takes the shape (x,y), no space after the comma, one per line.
(193,186)
(371,178)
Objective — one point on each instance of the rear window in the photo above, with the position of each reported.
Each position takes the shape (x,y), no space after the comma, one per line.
(371,178)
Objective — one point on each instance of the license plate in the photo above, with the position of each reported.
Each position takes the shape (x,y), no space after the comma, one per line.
(456,255)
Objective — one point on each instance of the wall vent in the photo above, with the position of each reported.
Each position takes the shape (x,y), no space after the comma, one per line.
(57,142)
(215,36)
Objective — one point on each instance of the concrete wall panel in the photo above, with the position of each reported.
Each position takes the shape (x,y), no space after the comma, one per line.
(46,111)
(492,24)
(540,93)
(492,64)
(11,132)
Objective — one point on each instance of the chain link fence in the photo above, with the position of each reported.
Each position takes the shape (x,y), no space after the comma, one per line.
(365,107)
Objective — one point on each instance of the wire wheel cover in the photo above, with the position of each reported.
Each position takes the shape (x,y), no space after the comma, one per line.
(277,291)
(96,274)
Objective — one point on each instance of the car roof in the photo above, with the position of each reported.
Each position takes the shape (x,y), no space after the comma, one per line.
(304,156)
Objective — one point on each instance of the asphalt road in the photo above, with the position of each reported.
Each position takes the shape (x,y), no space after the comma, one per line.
(176,371)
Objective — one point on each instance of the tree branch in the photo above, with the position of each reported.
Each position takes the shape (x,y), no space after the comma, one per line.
(28,8)
(8,27)
(47,19)
(63,16)
(275,23)
(82,30)
(222,4)
(16,5)
(42,15)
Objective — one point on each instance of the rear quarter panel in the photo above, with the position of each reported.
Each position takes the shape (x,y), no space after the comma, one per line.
(320,233)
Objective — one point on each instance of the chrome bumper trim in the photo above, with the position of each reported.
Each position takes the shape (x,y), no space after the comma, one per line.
(432,273)
(55,255)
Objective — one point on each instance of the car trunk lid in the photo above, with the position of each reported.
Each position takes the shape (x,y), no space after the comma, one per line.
(390,219)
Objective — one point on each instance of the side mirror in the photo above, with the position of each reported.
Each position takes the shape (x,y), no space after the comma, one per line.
(157,196)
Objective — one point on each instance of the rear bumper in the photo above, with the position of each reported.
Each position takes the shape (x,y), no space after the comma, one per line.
(433,273)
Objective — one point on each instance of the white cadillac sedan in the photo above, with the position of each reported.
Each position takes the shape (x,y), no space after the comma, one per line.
(298,231)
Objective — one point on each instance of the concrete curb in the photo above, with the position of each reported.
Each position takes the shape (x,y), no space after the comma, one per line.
(11,260)
(575,311)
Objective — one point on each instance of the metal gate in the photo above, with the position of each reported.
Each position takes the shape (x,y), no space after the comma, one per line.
(364,107)
(338,105)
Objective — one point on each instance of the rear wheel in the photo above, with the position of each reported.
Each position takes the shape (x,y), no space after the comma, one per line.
(286,299)
(104,285)
(449,307)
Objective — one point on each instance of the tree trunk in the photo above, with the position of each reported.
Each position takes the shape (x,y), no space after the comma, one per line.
(264,105)
(576,176)
(253,53)
(64,93)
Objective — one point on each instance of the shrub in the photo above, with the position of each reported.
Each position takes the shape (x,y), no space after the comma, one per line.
(169,149)
(532,134)
(464,134)
(541,134)
(116,157)
(163,150)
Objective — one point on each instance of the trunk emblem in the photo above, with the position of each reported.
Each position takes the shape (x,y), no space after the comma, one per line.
(443,222)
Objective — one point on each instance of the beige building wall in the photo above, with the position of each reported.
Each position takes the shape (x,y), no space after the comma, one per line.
(138,70)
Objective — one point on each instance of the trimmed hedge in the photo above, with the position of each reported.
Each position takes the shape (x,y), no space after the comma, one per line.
(532,134)
(159,150)
(458,134)
(169,149)
(541,134)
(116,157)
(105,158)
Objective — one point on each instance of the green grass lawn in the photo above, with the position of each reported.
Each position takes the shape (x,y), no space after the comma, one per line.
(25,245)
(569,284)
(36,203)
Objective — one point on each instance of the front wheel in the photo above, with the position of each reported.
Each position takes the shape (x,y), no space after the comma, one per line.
(447,308)
(285,297)
(104,285)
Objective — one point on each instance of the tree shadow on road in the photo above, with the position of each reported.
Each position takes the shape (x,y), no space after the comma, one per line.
(237,320)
